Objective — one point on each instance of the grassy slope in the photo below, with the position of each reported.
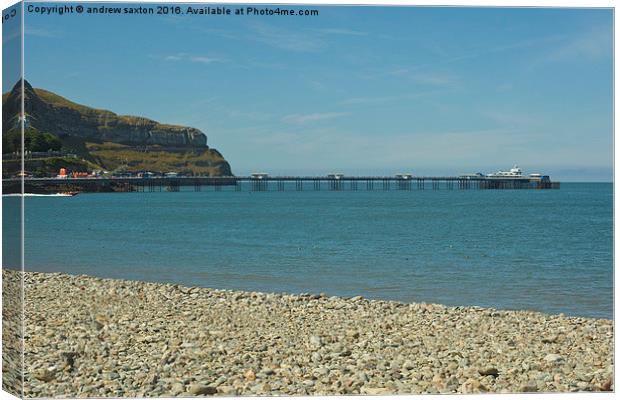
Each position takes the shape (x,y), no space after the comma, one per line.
(60,101)
(113,156)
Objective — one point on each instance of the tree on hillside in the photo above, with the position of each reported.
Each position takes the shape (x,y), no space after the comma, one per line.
(33,141)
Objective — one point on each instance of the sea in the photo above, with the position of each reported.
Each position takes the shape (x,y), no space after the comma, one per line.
(541,250)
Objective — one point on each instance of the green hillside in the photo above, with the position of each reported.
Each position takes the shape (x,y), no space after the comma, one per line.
(104,140)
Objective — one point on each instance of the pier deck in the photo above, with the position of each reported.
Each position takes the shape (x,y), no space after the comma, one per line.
(270,183)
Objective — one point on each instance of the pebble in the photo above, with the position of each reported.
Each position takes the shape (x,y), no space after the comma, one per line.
(200,390)
(375,391)
(316,341)
(165,340)
(529,387)
(489,371)
(250,375)
(44,375)
(553,358)
(550,339)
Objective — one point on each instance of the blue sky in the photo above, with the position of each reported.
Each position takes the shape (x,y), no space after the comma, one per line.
(11,47)
(358,90)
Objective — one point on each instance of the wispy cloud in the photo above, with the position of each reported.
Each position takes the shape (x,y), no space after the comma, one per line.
(511,118)
(445,58)
(223,33)
(30,31)
(251,115)
(205,60)
(303,41)
(438,73)
(193,58)
(292,40)
(11,36)
(368,100)
(385,99)
(335,149)
(434,79)
(173,58)
(304,118)
(341,31)
(593,44)
(40,32)
(254,63)
(431,78)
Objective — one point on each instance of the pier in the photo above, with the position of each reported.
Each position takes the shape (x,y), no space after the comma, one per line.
(263,183)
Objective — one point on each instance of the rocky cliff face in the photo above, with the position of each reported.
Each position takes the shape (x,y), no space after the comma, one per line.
(49,112)
(110,141)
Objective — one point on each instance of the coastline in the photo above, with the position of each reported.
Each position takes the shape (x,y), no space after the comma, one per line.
(95,337)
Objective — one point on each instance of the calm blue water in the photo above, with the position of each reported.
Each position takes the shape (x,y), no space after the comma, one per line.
(548,250)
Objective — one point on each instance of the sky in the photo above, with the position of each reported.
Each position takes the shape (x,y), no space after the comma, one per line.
(354,90)
(11,47)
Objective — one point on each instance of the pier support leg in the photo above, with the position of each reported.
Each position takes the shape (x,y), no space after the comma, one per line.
(173,186)
(259,185)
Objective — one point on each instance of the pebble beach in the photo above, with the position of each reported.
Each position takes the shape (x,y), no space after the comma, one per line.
(92,337)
